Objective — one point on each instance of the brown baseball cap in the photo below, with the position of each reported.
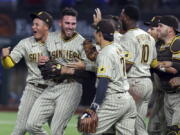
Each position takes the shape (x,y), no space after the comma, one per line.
(44,16)
(170,21)
(153,22)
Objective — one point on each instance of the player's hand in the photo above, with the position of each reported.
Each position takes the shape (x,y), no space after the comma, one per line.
(42,60)
(171,70)
(175,81)
(67,70)
(97,17)
(166,64)
(78,64)
(5,52)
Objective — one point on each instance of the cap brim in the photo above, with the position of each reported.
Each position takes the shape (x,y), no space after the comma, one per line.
(177,31)
(33,15)
(147,23)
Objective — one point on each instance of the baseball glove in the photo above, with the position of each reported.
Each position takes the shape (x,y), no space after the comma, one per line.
(50,70)
(88,122)
(90,50)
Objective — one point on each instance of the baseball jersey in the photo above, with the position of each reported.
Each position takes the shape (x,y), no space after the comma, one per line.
(30,50)
(66,50)
(117,37)
(140,51)
(111,64)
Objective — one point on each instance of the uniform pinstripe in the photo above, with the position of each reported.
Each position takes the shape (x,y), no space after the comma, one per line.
(63,98)
(118,109)
(141,51)
(30,50)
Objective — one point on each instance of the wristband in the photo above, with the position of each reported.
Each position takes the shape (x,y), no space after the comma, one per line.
(94,106)
(162,69)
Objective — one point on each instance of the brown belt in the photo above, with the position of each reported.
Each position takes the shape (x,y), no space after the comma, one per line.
(42,86)
(141,77)
(172,92)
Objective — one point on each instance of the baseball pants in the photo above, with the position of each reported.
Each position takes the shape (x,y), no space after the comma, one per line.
(157,122)
(30,94)
(118,112)
(60,102)
(172,108)
(141,90)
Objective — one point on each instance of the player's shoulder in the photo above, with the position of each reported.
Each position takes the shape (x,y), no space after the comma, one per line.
(175,45)
(132,34)
(145,35)
(108,50)
(27,40)
(79,37)
(54,35)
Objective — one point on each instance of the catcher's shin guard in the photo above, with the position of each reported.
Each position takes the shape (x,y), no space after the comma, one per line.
(173,130)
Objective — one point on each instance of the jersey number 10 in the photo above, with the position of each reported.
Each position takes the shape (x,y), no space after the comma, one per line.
(145,54)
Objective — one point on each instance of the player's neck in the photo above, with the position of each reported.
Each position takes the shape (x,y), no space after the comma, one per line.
(43,39)
(105,43)
(169,39)
(131,25)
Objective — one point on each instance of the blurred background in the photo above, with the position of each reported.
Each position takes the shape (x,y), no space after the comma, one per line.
(15,24)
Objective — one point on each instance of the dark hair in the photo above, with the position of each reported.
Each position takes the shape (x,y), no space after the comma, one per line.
(69,12)
(107,28)
(115,20)
(132,12)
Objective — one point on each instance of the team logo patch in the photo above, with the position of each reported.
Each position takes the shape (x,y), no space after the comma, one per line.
(127,55)
(101,69)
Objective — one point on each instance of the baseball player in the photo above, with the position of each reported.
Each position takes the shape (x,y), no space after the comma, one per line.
(30,49)
(167,30)
(140,53)
(113,105)
(157,123)
(63,98)
(113,19)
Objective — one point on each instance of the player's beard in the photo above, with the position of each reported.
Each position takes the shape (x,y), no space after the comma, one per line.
(124,25)
(68,33)
(162,35)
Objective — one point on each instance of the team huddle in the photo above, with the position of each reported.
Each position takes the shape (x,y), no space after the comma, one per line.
(137,73)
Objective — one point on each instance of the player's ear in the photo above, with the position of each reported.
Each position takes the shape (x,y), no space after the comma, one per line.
(47,27)
(100,34)
(60,22)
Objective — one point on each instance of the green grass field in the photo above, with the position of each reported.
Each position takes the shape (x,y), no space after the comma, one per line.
(7,123)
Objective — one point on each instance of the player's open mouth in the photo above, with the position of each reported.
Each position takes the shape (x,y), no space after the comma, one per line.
(34,32)
(69,31)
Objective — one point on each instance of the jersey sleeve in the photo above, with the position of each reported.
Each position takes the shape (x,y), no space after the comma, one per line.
(154,51)
(175,49)
(104,66)
(154,62)
(18,52)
